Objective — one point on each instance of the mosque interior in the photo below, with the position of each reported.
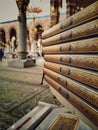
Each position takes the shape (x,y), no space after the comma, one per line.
(49,67)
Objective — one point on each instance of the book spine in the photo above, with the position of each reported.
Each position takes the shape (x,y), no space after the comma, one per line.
(81,105)
(85,30)
(80,17)
(79,89)
(83,61)
(85,76)
(70,51)
(81,46)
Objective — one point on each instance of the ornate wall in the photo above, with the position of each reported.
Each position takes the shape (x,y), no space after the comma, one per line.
(10,28)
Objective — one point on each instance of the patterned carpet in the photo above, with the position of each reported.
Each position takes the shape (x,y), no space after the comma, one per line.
(20,91)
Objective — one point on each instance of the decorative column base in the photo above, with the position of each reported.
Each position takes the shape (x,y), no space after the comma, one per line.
(22,55)
(19,63)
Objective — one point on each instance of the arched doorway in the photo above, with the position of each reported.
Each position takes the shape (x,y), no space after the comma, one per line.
(13,41)
(12,33)
(39,31)
(2,36)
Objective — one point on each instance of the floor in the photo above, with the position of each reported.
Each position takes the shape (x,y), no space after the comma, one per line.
(20,91)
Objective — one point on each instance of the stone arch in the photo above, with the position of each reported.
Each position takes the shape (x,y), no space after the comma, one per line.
(39,31)
(3,35)
(39,28)
(13,33)
(45,23)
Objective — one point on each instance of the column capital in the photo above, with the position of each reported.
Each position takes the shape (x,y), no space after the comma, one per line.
(22,5)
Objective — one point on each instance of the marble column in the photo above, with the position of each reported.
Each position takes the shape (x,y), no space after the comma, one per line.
(22,61)
(22,45)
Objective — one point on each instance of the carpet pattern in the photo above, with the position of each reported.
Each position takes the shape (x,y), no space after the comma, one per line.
(20,91)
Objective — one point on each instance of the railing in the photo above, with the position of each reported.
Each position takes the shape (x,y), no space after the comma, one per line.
(70,51)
